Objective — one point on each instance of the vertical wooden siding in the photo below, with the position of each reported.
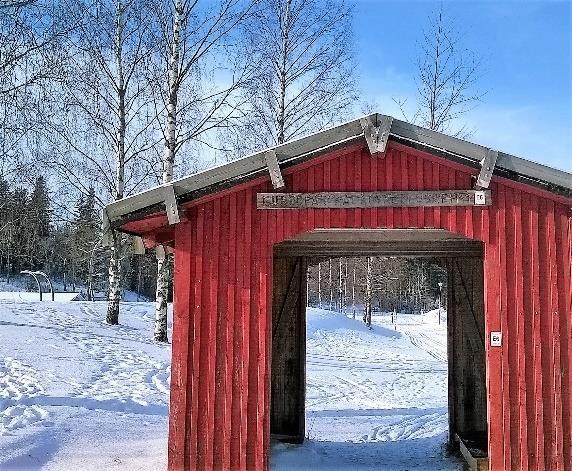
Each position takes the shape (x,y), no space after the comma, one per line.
(223,288)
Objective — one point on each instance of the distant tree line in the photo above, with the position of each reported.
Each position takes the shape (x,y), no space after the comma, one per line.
(361,285)
(69,252)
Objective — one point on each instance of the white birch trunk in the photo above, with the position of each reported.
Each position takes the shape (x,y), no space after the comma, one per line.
(340,286)
(331,306)
(354,291)
(320,285)
(345,302)
(160,333)
(173,90)
(307,286)
(281,118)
(89,275)
(368,294)
(114,295)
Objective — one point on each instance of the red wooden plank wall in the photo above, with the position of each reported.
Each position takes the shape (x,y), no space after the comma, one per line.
(223,282)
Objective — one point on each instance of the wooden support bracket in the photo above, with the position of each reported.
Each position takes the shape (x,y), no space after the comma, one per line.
(487,169)
(274,169)
(107,235)
(160,252)
(171,205)
(138,246)
(376,134)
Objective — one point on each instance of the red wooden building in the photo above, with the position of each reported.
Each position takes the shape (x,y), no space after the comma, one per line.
(371,186)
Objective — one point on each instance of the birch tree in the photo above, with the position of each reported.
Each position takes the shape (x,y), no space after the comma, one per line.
(103,134)
(304,55)
(330,285)
(354,290)
(340,286)
(368,292)
(29,35)
(447,78)
(320,285)
(345,296)
(195,34)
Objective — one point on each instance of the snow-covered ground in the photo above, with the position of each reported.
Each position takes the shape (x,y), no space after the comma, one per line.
(76,394)
(20,296)
(24,288)
(376,399)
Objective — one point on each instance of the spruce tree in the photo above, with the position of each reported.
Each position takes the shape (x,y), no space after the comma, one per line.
(87,257)
(39,209)
(38,224)
(4,225)
(19,231)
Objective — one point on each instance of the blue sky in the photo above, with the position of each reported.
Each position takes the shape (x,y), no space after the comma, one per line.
(526,48)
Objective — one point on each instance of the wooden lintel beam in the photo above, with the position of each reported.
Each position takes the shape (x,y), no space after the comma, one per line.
(375,199)
(487,169)
(274,169)
(376,133)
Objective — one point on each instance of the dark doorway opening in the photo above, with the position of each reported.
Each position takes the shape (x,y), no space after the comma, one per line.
(463,259)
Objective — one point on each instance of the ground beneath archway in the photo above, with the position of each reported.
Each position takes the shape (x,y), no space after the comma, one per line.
(376,399)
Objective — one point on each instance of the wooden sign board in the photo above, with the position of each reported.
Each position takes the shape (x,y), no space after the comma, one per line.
(375,199)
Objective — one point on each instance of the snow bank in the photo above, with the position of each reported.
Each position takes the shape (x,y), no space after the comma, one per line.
(432,317)
(28,296)
(322,320)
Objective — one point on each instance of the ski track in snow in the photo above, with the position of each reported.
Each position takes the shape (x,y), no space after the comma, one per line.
(410,427)
(124,374)
(423,341)
(375,399)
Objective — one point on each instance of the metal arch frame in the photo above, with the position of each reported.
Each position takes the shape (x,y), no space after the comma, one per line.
(34,274)
(49,282)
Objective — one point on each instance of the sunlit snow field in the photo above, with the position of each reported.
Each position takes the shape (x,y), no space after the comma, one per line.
(78,394)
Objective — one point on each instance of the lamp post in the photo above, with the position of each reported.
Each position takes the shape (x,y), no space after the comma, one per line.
(394,313)
(440,291)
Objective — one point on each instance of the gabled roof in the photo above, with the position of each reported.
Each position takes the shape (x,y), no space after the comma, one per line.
(293,152)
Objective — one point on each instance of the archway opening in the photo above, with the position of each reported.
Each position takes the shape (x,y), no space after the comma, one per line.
(328,382)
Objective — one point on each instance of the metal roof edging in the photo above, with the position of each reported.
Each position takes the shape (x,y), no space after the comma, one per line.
(456,149)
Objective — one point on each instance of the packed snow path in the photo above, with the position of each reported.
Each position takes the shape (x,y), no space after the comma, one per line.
(375,399)
(78,394)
